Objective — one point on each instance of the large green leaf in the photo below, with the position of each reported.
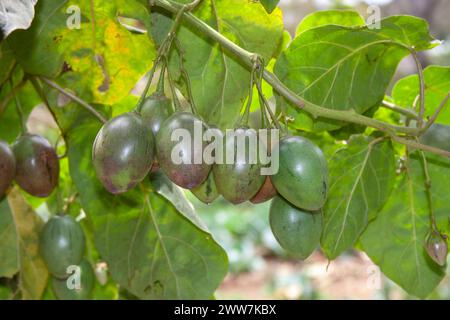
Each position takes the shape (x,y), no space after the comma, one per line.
(10,127)
(361,178)
(152,249)
(220,83)
(347,68)
(33,272)
(9,265)
(37,49)
(338,17)
(106,59)
(395,239)
(437,87)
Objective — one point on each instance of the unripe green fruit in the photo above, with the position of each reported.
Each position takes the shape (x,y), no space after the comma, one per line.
(155,110)
(37,165)
(61,289)
(207,191)
(297,231)
(7,167)
(123,152)
(240,181)
(62,244)
(186,174)
(302,178)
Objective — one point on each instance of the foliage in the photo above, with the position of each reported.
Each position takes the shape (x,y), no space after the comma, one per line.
(386,193)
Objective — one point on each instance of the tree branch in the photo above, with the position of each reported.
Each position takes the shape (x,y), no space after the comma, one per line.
(406,112)
(81,102)
(247,59)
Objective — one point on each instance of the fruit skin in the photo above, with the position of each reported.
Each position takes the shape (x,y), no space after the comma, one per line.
(37,165)
(123,152)
(437,248)
(207,191)
(266,192)
(87,282)
(297,231)
(241,181)
(7,167)
(155,110)
(302,178)
(187,174)
(62,244)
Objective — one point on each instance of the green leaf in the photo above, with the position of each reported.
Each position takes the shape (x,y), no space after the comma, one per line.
(37,49)
(361,178)
(346,18)
(395,239)
(220,83)
(347,68)
(7,62)
(9,265)
(107,59)
(437,87)
(33,272)
(152,249)
(269,5)
(10,127)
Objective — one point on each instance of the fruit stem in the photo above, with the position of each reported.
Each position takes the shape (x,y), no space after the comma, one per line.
(436,113)
(23,124)
(422,89)
(81,102)
(348,116)
(427,182)
(404,111)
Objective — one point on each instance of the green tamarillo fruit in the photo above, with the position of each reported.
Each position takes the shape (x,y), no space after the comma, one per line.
(207,191)
(37,165)
(179,154)
(62,244)
(7,167)
(302,178)
(437,248)
(123,152)
(239,180)
(266,192)
(76,289)
(297,231)
(155,110)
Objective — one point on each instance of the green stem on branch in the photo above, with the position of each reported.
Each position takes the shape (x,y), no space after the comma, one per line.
(247,59)
(23,122)
(404,111)
(436,113)
(81,102)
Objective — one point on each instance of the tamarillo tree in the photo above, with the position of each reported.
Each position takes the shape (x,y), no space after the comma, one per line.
(359,167)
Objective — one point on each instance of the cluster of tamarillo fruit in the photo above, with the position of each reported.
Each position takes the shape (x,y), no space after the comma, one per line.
(133,144)
(33,163)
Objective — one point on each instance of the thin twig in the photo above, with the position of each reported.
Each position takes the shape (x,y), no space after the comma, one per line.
(406,112)
(81,102)
(422,89)
(437,112)
(23,123)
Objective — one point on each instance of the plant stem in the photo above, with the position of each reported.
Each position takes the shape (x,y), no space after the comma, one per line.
(422,89)
(404,111)
(81,102)
(247,59)
(437,112)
